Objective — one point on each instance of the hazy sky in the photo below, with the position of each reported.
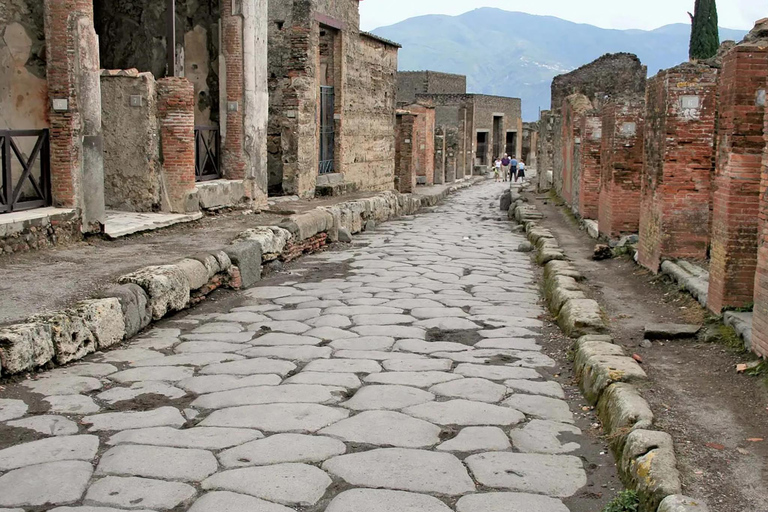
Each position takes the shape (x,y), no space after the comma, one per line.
(620,14)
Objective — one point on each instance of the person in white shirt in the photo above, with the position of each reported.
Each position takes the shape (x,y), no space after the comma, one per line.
(497,169)
(520,171)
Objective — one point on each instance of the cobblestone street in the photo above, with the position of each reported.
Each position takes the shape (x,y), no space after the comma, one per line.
(401,373)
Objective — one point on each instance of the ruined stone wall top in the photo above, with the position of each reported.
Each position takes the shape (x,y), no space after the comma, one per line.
(611,75)
(412,83)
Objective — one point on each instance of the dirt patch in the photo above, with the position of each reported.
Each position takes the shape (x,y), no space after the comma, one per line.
(694,391)
(469,338)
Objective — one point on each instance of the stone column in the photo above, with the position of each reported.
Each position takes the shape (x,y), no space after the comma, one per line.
(405,148)
(740,147)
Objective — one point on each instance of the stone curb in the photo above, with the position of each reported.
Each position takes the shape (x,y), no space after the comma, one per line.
(645,458)
(152,293)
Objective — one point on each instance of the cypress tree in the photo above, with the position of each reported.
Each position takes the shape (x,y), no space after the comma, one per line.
(705,34)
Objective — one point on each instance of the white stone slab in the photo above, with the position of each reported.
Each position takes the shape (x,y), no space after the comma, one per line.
(164,416)
(496,372)
(52,449)
(214,383)
(158,462)
(132,491)
(11,409)
(387,398)
(509,502)
(479,390)
(225,501)
(204,438)
(48,484)
(344,380)
(285,393)
(48,425)
(418,379)
(250,367)
(476,439)
(385,428)
(282,448)
(380,500)
(277,417)
(465,413)
(343,366)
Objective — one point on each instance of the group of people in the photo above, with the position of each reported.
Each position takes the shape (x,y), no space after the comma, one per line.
(509,168)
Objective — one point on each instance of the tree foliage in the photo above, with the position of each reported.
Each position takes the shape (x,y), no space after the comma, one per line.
(705,35)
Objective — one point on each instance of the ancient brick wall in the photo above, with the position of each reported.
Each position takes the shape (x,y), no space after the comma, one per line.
(545,149)
(740,147)
(424,142)
(573,108)
(760,313)
(621,167)
(411,83)
(405,152)
(676,185)
(232,150)
(588,184)
(176,110)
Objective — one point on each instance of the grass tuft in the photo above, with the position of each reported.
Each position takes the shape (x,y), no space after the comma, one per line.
(625,501)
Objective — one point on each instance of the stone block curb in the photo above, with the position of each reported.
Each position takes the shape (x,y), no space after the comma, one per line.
(152,293)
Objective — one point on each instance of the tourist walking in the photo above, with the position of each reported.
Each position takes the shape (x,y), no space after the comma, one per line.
(513,169)
(505,163)
(520,171)
(497,169)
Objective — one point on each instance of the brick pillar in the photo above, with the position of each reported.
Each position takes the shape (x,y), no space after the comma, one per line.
(760,313)
(622,166)
(232,154)
(680,116)
(405,150)
(176,110)
(737,178)
(589,181)
(574,107)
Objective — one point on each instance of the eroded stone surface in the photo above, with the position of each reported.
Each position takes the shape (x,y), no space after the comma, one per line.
(282,448)
(11,409)
(465,412)
(380,500)
(48,425)
(475,439)
(509,502)
(45,484)
(158,462)
(387,397)
(385,428)
(277,417)
(479,390)
(206,438)
(132,491)
(225,501)
(164,416)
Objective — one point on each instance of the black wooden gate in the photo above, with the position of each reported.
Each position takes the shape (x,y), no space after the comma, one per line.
(207,153)
(327,135)
(26,175)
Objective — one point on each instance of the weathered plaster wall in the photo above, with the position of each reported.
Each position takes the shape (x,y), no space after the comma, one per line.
(485,108)
(411,83)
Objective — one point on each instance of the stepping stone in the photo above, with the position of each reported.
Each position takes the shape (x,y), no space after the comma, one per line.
(217,327)
(63,385)
(379,500)
(387,397)
(224,501)
(282,448)
(48,425)
(295,314)
(331,333)
(396,331)
(542,436)
(496,372)
(288,484)
(250,367)
(286,393)
(52,449)
(72,404)
(376,355)
(11,409)
(385,428)
(141,388)
(550,389)
(164,373)
(364,343)
(429,347)
(670,331)
(509,344)
(188,360)
(158,462)
(132,491)
(197,347)
(343,366)
(162,417)
(288,326)
(509,502)
(416,365)
(205,438)
(464,412)
(45,484)
(233,337)
(214,383)
(448,324)
(559,476)
(417,379)
(243,317)
(476,439)
(541,407)
(344,380)
(277,339)
(479,390)
(300,353)
(277,417)
(403,469)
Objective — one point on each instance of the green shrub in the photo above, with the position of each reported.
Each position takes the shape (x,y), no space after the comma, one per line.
(626,501)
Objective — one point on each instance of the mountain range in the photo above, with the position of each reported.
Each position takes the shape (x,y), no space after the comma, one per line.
(516,54)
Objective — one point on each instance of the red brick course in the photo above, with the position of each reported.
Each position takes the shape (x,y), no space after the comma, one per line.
(589,180)
(621,167)
(760,313)
(740,145)
(176,110)
(233,155)
(679,162)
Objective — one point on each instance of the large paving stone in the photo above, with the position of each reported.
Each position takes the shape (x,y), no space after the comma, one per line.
(403,469)
(270,292)
(417,379)
(71,404)
(225,501)
(670,331)
(162,417)
(553,475)
(63,385)
(282,448)
(286,393)
(205,438)
(277,339)
(297,315)
(11,409)
(158,462)
(465,412)
(395,331)
(48,484)
(448,324)
(301,353)
(331,333)
(387,397)
(287,484)
(509,502)
(381,500)
(363,310)
(249,367)
(197,347)
(215,327)
(550,388)
(277,417)
(429,347)
(344,380)
(385,428)
(244,317)
(188,360)
(85,370)
(118,394)
(48,425)
(52,449)
(496,372)
(509,344)
(541,407)
(343,366)
(476,439)
(130,492)
(165,374)
(416,365)
(214,383)
(479,390)
(364,343)
(232,337)
(83,509)
(543,436)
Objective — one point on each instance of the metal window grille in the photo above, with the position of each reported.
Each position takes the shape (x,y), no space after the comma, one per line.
(207,153)
(25,182)
(327,134)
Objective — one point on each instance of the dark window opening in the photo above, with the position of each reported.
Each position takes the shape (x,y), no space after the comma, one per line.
(511,144)
(482,148)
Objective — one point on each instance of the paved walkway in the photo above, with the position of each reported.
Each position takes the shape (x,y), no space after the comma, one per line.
(397,375)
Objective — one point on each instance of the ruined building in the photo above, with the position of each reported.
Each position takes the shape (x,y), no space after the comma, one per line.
(332,100)
(470,129)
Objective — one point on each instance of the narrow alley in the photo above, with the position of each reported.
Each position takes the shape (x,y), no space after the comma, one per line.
(400,373)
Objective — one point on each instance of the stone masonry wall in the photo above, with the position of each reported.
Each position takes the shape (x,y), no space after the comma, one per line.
(760,313)
(588,184)
(411,83)
(621,167)
(545,150)
(424,143)
(679,162)
(574,107)
(405,153)
(740,147)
